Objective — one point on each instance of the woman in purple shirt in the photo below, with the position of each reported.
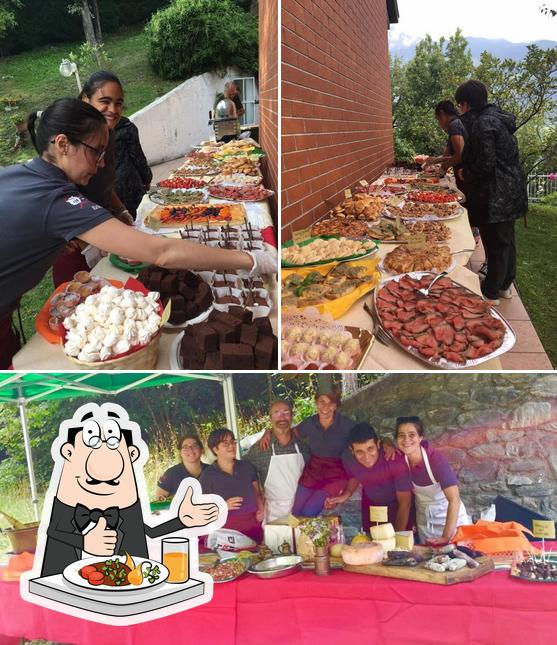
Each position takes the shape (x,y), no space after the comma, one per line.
(439,509)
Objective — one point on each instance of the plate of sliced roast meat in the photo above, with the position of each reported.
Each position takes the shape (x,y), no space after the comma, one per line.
(450,328)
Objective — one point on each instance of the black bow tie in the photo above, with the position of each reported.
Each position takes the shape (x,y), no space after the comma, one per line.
(83,516)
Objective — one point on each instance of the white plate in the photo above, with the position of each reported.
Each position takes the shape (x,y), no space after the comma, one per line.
(175,362)
(201,318)
(71,574)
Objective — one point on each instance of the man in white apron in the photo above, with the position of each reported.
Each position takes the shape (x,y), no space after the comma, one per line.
(432,506)
(281,465)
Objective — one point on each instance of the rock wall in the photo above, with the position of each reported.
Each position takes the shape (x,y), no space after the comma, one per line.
(498,431)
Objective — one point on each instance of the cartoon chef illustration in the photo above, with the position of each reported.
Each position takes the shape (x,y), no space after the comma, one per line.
(96,507)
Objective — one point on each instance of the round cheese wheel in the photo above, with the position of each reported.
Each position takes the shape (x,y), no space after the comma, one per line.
(363,553)
(382,532)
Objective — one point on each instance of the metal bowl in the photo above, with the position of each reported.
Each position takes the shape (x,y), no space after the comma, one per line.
(278,567)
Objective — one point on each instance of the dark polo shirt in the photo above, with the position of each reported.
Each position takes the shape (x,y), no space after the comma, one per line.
(40,210)
(239,484)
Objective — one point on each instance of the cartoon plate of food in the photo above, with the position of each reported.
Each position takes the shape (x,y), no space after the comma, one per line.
(118,573)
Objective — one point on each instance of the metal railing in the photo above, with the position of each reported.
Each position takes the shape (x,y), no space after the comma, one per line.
(541,185)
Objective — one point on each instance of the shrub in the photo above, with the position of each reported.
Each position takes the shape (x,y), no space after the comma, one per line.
(550,200)
(192,37)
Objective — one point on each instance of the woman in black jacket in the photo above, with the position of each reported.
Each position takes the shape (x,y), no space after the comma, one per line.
(133,175)
(496,191)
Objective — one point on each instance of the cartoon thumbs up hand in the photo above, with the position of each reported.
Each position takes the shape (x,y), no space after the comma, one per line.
(100,540)
(192,514)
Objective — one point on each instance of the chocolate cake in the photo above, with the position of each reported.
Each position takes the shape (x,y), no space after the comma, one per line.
(229,340)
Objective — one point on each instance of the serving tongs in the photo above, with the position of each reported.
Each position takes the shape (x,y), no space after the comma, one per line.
(378,330)
(425,291)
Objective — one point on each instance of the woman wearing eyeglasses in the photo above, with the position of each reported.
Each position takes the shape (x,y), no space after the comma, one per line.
(237,483)
(41,209)
(190,450)
(104,92)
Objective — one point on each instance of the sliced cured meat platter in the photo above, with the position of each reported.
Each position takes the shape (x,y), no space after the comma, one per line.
(451,328)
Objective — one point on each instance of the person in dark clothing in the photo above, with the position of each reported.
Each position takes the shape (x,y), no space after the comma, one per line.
(496,190)
(104,92)
(448,119)
(133,175)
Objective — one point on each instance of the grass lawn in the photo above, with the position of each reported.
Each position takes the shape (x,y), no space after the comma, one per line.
(537,273)
(36,78)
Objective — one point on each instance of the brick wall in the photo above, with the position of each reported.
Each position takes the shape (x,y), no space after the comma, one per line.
(336,103)
(268,93)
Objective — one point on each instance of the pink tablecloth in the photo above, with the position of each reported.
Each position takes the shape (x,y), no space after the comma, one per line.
(305,609)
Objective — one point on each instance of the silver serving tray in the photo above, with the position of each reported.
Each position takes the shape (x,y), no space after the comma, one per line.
(278,567)
(443,363)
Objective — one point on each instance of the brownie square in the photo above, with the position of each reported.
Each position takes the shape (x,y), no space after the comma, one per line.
(177,302)
(248,335)
(144,274)
(206,337)
(204,297)
(226,334)
(155,280)
(264,325)
(221,316)
(191,279)
(186,291)
(236,357)
(192,310)
(169,284)
(191,352)
(264,352)
(244,315)
(212,361)
(177,317)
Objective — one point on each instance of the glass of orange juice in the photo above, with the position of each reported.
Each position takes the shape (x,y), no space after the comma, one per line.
(175,557)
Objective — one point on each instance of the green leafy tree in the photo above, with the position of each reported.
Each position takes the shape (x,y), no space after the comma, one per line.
(8,19)
(192,37)
(525,88)
(431,76)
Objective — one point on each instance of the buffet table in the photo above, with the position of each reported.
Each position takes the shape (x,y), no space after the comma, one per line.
(392,357)
(304,608)
(38,354)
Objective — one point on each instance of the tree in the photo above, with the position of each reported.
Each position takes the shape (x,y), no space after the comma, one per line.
(431,76)
(7,15)
(90,17)
(525,88)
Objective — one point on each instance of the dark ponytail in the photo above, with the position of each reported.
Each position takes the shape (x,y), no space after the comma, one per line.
(96,81)
(72,117)
(448,107)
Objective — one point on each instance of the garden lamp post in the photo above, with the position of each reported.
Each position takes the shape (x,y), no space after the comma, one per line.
(67,68)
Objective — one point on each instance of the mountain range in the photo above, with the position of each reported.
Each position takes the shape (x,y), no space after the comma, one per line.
(405,46)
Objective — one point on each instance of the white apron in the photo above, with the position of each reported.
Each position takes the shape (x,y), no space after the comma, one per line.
(432,506)
(281,483)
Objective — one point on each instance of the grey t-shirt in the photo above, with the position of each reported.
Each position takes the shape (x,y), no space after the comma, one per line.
(456,127)
(40,210)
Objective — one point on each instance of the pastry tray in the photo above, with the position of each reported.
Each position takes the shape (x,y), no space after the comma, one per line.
(442,363)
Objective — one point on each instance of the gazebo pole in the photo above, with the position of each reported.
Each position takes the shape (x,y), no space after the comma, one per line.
(230,408)
(28,455)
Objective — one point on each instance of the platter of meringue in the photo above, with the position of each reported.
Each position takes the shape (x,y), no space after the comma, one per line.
(113,322)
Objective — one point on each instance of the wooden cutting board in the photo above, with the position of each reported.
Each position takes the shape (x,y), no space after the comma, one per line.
(421,574)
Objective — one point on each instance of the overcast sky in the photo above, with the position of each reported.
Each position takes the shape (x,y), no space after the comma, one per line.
(514,20)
